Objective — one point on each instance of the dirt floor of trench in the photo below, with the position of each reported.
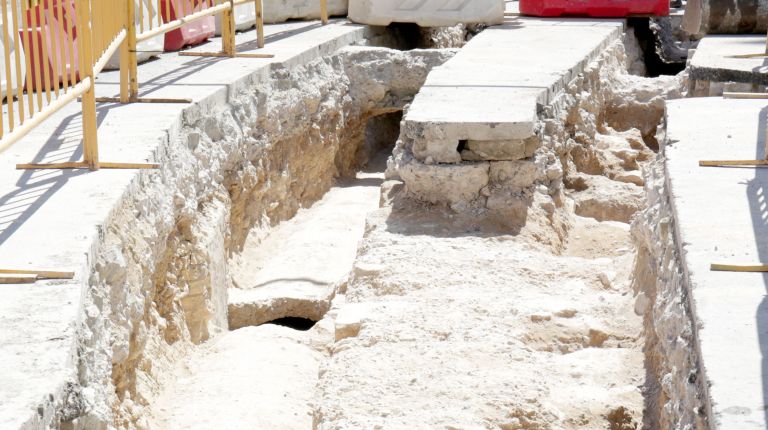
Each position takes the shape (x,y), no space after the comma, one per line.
(445,326)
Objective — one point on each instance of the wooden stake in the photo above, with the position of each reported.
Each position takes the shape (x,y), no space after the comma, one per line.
(141,100)
(733,163)
(747,56)
(40,274)
(18,279)
(221,54)
(83,165)
(738,268)
(729,95)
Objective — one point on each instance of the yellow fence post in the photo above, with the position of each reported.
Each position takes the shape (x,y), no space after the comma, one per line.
(228,30)
(324,11)
(232,53)
(259,22)
(129,85)
(90,139)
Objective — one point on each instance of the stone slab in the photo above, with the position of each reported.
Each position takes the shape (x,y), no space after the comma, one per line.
(713,59)
(426,13)
(720,215)
(494,88)
(52,219)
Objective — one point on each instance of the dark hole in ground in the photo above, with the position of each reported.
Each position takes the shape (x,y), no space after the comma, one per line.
(296,323)
(655,66)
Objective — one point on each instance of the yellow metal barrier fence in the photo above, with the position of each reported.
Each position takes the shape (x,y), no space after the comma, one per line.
(52,50)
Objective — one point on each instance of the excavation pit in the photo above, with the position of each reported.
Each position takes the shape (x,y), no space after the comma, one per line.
(440,279)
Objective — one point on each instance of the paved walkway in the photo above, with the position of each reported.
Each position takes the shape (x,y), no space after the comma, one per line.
(721,217)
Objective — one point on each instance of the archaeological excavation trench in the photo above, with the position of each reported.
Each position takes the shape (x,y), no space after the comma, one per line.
(311,255)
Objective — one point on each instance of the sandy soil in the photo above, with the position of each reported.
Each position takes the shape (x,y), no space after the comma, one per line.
(466,331)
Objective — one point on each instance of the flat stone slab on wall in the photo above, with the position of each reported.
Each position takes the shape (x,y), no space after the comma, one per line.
(493,89)
(714,61)
(426,13)
(52,219)
(721,217)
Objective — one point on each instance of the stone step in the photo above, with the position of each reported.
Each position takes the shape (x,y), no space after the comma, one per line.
(484,103)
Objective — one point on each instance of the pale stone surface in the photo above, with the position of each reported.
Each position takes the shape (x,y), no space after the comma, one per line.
(257,377)
(294,272)
(713,60)
(456,341)
(283,10)
(718,216)
(427,13)
(486,93)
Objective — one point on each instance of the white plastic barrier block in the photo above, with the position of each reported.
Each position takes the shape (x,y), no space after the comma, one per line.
(245,18)
(283,10)
(426,13)
(148,48)
(15,81)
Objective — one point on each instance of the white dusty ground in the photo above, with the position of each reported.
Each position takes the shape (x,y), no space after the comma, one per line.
(264,377)
(464,328)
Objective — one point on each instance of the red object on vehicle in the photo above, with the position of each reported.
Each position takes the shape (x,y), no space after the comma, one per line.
(594,8)
(190,34)
(49,25)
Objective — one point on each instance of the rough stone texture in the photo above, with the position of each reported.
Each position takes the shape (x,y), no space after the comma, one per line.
(428,13)
(601,124)
(56,338)
(676,392)
(232,167)
(283,10)
(718,216)
(725,16)
(483,330)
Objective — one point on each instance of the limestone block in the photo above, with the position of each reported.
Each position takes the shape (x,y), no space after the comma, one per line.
(499,150)
(444,183)
(515,174)
(426,13)
(283,10)
(440,117)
